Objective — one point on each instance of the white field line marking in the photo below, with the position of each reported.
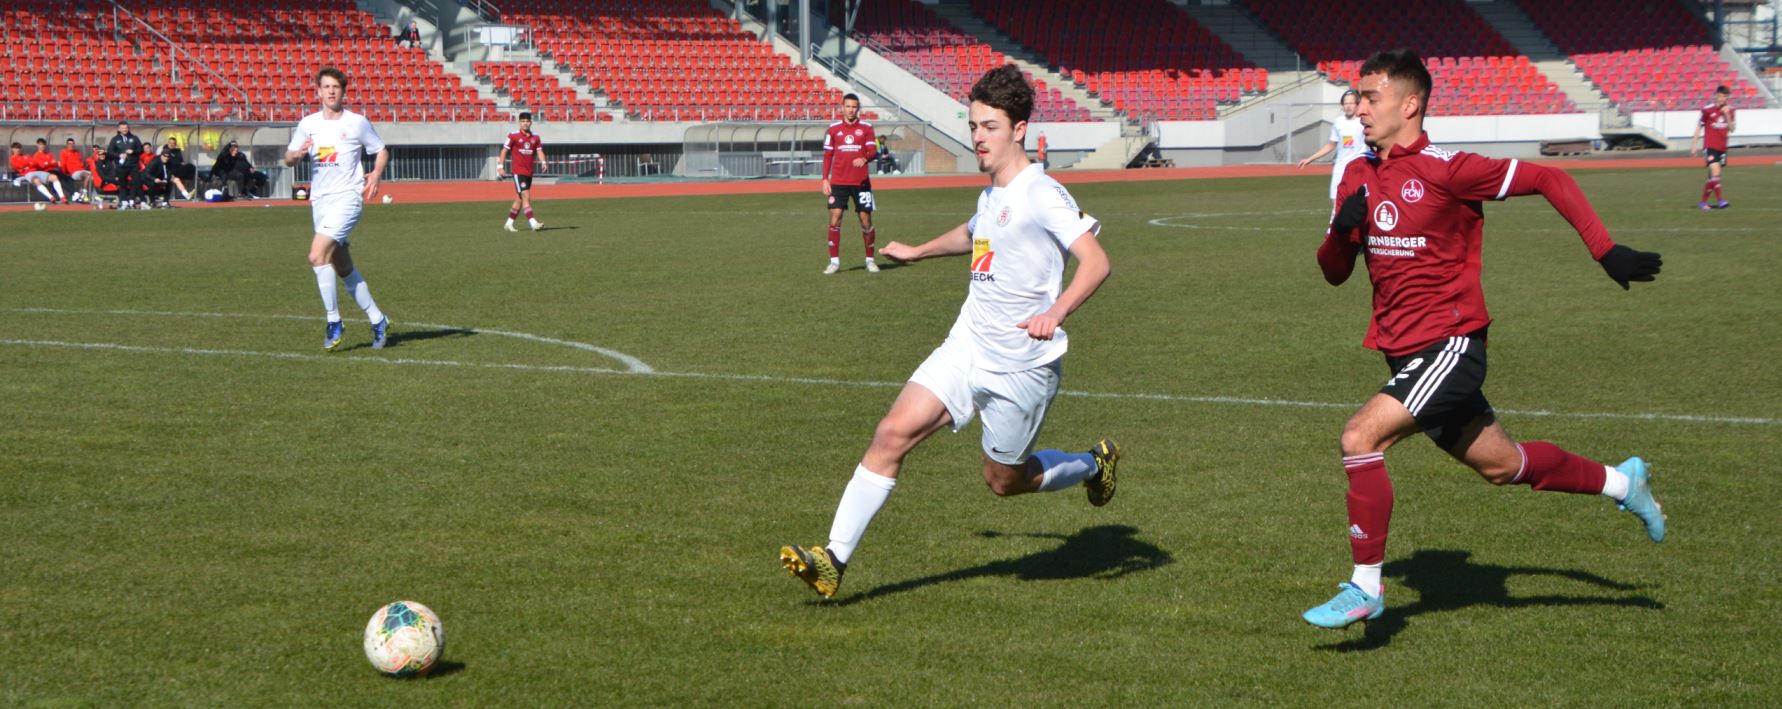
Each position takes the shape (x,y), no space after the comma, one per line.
(768,379)
(1170,221)
(632,364)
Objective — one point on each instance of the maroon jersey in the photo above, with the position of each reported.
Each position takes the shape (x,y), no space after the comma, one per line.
(844,142)
(1716,122)
(1423,233)
(523,147)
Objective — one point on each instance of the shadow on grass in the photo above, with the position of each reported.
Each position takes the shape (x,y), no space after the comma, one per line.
(559,228)
(399,336)
(443,668)
(1446,580)
(1106,552)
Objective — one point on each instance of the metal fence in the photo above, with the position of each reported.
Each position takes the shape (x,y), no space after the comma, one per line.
(786,149)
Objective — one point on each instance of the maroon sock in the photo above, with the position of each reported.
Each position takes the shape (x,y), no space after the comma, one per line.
(528,214)
(870,235)
(511,213)
(835,242)
(1716,184)
(1548,467)
(1707,189)
(1370,506)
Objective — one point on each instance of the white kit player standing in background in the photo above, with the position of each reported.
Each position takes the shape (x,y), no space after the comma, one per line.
(338,188)
(1346,139)
(1003,358)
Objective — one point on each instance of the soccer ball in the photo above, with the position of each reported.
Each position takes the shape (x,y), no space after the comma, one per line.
(388,199)
(40,206)
(404,639)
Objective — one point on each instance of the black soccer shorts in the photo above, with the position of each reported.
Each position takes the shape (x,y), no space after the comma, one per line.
(1441,386)
(1711,156)
(861,195)
(522,183)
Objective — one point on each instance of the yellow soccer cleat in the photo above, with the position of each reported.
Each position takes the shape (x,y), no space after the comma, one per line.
(1101,484)
(813,565)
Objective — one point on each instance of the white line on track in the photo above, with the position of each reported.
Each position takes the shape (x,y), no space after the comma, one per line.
(763,378)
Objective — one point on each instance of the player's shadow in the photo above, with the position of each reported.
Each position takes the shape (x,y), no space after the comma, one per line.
(1106,552)
(1446,580)
(399,336)
(560,228)
(886,265)
(439,669)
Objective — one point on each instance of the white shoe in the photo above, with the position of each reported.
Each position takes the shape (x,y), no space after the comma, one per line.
(510,226)
(535,225)
(872,266)
(833,267)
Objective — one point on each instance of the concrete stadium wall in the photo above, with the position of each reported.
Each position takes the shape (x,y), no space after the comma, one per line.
(1248,138)
(1753,126)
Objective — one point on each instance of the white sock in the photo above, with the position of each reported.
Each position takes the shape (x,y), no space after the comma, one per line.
(835,260)
(330,298)
(46,193)
(1367,578)
(1615,484)
(1063,470)
(866,493)
(362,295)
(59,190)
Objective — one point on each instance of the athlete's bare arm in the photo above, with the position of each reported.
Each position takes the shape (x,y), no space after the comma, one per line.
(541,160)
(1092,270)
(292,157)
(501,163)
(956,241)
(1321,153)
(376,175)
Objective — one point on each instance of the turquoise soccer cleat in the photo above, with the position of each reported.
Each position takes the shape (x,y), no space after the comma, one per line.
(1639,498)
(1348,606)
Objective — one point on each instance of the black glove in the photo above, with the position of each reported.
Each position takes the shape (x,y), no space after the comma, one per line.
(1351,214)
(1624,264)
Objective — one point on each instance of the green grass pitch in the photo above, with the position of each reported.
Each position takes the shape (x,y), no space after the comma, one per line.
(201,508)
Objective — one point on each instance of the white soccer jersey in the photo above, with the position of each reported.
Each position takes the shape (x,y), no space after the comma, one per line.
(1020,236)
(335,156)
(1350,144)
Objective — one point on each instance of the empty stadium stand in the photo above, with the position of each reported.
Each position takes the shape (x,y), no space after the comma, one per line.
(1646,55)
(912,36)
(531,89)
(1146,58)
(673,60)
(1476,71)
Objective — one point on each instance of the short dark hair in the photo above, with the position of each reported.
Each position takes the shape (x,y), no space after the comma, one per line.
(43,141)
(525,115)
(71,139)
(1403,65)
(851,97)
(1721,89)
(338,75)
(123,123)
(1004,88)
(16,146)
(1351,93)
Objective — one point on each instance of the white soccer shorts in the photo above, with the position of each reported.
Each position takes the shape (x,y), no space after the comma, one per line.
(1013,404)
(336,214)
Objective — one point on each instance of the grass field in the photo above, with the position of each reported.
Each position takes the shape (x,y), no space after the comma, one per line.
(201,508)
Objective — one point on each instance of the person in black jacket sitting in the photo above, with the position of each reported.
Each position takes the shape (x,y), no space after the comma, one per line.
(185,175)
(156,181)
(233,166)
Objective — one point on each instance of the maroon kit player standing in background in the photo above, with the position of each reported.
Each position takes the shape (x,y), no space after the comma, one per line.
(1716,122)
(1414,210)
(527,150)
(848,146)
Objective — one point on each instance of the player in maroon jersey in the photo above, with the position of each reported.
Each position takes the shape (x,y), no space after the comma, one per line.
(528,154)
(848,146)
(1716,122)
(1414,211)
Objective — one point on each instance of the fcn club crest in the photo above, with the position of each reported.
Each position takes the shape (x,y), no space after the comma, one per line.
(1412,191)
(1002,219)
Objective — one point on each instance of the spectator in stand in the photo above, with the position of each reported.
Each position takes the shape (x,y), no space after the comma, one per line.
(233,166)
(157,181)
(1040,146)
(183,173)
(47,168)
(409,38)
(100,175)
(123,152)
(74,167)
(23,171)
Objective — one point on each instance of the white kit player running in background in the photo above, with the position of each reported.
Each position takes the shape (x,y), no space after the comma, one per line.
(1346,140)
(1003,358)
(332,139)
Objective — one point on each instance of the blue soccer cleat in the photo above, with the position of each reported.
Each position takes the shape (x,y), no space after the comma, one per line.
(332,339)
(1723,204)
(1639,497)
(380,332)
(1348,606)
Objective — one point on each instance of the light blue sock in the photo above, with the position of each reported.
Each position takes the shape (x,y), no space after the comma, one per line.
(1063,470)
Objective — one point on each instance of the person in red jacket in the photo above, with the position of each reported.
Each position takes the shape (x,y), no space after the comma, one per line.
(848,146)
(1415,211)
(74,167)
(32,169)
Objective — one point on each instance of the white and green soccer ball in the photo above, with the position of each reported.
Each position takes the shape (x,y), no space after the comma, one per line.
(404,639)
